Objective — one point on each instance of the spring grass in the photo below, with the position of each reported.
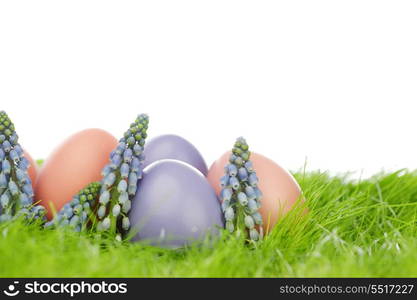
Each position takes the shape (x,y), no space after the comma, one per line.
(364,228)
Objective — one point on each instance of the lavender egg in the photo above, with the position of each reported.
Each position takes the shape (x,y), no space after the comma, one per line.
(174,206)
(170,146)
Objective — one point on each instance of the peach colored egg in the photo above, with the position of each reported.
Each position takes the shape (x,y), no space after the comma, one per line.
(279,188)
(77,162)
(33,167)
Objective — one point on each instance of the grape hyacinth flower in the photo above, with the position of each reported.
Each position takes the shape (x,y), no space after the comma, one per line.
(16,193)
(240,194)
(78,213)
(120,179)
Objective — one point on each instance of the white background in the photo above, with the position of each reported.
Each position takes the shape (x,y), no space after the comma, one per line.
(333,82)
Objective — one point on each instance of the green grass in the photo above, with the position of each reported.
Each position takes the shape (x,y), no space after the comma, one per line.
(359,229)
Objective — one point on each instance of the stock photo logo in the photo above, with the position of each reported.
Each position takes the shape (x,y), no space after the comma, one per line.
(11,290)
(65,288)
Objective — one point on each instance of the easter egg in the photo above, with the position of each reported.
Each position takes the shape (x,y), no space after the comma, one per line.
(33,167)
(279,188)
(170,146)
(77,162)
(174,205)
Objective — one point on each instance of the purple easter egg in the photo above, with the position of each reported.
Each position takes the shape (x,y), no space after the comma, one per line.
(170,146)
(174,206)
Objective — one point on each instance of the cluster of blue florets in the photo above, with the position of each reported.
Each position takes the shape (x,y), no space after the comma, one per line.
(120,179)
(16,192)
(240,194)
(78,213)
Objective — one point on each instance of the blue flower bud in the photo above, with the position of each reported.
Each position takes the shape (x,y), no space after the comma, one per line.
(126,206)
(68,213)
(224,181)
(109,179)
(252,206)
(226,194)
(234,183)
(122,186)
(19,150)
(2,154)
(14,156)
(25,200)
(75,220)
(24,164)
(87,206)
(249,166)
(258,194)
(243,200)
(58,218)
(7,146)
(139,173)
(243,174)
(249,222)
(231,170)
(123,197)
(49,224)
(3,181)
(14,190)
(13,139)
(137,149)
(127,155)
(120,148)
(133,178)
(75,200)
(229,214)
(5,199)
(39,210)
(258,218)
(250,193)
(116,210)
(124,170)
(101,211)
(253,179)
(254,235)
(125,223)
(104,197)
(6,167)
(229,226)
(225,205)
(78,209)
(21,176)
(232,158)
(84,216)
(105,225)
(132,189)
(136,165)
(106,170)
(116,160)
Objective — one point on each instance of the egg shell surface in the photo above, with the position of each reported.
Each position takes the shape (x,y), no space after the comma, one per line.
(174,205)
(75,163)
(170,146)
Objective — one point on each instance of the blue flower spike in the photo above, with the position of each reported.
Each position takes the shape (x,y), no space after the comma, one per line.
(78,214)
(16,192)
(120,184)
(240,194)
